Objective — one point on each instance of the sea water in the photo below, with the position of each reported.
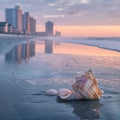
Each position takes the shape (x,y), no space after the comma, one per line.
(30,66)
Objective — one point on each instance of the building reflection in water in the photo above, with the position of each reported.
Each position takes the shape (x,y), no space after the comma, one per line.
(48,46)
(85,109)
(21,52)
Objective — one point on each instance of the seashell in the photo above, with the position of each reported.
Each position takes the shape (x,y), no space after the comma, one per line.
(87,86)
(63,92)
(73,96)
(51,92)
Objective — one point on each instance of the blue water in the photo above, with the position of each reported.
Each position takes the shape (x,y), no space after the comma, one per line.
(107,43)
(29,66)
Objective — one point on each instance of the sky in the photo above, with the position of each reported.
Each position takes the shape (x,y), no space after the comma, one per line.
(72,17)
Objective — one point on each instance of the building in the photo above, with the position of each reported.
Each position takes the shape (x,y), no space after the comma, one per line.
(49,28)
(14,18)
(10,29)
(42,34)
(3,27)
(26,23)
(57,33)
(19,19)
(32,26)
(18,22)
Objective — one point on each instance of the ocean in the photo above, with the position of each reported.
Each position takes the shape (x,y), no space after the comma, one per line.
(112,43)
(31,65)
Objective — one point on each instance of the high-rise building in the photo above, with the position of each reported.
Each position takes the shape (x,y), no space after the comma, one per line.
(57,33)
(10,29)
(26,23)
(49,28)
(14,18)
(19,18)
(3,27)
(32,25)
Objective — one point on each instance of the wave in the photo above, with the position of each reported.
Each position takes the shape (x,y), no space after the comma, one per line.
(106,43)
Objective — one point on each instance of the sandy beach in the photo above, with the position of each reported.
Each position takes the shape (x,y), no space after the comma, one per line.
(30,66)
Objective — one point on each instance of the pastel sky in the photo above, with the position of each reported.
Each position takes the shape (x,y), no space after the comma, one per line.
(73,17)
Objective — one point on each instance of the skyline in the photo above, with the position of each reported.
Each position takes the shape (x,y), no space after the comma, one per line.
(73,17)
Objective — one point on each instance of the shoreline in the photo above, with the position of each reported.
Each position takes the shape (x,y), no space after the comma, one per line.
(92,42)
(62,39)
(94,46)
(22,86)
(86,49)
(80,49)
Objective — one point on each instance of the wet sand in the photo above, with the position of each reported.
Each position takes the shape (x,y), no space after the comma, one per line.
(23,84)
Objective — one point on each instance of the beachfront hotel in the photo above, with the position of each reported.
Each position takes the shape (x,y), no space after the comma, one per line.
(32,26)
(14,18)
(21,23)
(49,28)
(3,27)
(18,22)
(29,24)
(26,23)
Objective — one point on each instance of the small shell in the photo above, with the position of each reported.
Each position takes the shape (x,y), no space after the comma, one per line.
(51,92)
(63,92)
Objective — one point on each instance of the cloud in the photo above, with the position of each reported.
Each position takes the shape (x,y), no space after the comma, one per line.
(51,4)
(76,2)
(60,9)
(54,16)
(79,12)
(85,1)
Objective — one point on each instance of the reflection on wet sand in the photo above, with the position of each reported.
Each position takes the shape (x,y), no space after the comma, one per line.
(48,46)
(56,47)
(27,50)
(85,109)
(22,88)
(45,46)
(20,52)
